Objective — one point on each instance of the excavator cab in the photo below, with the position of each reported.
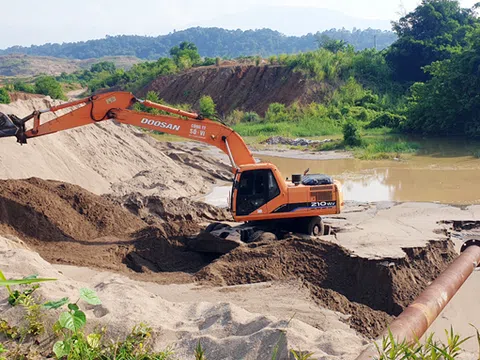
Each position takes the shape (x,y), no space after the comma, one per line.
(255,188)
(7,127)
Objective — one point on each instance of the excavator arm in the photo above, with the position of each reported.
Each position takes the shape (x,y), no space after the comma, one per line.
(117,106)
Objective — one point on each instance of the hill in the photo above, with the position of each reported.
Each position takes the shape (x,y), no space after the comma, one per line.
(25,65)
(211,42)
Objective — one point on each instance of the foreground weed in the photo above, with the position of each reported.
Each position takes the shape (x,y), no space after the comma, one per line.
(301,355)
(137,346)
(281,340)
(3,350)
(75,345)
(199,352)
(390,349)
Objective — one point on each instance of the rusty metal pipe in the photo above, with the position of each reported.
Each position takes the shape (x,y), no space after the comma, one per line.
(414,321)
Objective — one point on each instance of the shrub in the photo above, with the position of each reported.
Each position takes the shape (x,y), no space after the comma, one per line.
(4,97)
(351,136)
(208,61)
(22,86)
(276,113)
(47,85)
(207,106)
(387,119)
(251,117)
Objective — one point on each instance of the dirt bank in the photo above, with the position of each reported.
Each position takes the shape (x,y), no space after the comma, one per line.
(369,290)
(249,88)
(69,225)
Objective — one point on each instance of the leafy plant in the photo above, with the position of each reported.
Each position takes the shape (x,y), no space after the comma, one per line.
(4,97)
(70,323)
(207,106)
(48,85)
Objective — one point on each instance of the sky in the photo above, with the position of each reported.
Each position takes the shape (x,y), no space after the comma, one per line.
(36,22)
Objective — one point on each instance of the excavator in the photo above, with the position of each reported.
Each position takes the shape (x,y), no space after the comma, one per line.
(260,198)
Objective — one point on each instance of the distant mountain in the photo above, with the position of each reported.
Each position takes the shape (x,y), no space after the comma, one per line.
(211,42)
(292,20)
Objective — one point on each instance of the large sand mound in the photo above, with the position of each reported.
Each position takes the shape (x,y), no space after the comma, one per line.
(106,157)
(226,331)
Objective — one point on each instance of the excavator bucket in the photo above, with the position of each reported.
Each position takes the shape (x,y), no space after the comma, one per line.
(7,127)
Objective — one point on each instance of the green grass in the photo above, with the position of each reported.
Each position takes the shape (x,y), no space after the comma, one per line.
(303,128)
(384,148)
(375,147)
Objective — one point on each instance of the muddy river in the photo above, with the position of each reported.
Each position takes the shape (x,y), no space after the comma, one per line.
(423,178)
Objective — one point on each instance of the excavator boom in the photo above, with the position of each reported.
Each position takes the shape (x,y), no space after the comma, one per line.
(117,105)
(259,191)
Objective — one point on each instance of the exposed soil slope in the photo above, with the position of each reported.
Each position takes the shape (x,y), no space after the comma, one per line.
(249,88)
(369,290)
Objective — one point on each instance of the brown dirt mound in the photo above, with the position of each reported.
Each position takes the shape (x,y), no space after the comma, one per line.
(67,224)
(369,290)
(56,211)
(156,209)
(249,88)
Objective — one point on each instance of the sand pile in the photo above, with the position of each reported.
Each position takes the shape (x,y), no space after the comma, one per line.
(368,290)
(67,224)
(105,158)
(227,331)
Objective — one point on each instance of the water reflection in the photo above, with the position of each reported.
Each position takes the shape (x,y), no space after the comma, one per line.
(446,179)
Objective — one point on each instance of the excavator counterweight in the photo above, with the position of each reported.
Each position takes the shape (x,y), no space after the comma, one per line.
(259,194)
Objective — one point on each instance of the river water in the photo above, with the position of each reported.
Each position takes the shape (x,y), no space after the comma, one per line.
(452,180)
(448,176)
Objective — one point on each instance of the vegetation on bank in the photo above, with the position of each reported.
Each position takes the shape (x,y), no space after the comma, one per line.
(74,342)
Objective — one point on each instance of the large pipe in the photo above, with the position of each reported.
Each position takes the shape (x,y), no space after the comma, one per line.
(414,321)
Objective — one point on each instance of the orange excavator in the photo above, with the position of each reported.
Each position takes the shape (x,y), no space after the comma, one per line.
(260,196)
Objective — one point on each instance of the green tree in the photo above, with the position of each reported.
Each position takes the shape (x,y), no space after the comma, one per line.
(207,106)
(433,31)
(47,85)
(449,103)
(325,42)
(185,55)
(4,97)
(351,136)
(107,66)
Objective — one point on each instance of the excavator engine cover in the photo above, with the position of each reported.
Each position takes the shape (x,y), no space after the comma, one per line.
(7,127)
(317,179)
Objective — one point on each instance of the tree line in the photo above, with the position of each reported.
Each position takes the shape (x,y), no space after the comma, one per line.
(211,42)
